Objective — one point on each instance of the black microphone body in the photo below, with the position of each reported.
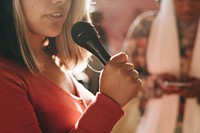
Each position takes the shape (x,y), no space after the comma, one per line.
(85,35)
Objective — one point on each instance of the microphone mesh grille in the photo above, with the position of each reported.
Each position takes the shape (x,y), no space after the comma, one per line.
(82,32)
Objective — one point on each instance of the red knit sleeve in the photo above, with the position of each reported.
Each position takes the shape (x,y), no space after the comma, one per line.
(16,112)
(100,117)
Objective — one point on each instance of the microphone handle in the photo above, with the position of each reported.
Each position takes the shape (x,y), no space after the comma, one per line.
(98,50)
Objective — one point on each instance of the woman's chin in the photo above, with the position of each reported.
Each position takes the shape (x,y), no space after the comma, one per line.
(54,34)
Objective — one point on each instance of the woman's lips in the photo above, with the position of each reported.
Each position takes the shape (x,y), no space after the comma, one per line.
(56,16)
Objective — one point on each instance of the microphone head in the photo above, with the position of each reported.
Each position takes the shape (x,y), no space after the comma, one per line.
(85,35)
(82,32)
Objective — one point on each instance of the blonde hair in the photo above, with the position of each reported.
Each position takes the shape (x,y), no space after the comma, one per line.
(70,54)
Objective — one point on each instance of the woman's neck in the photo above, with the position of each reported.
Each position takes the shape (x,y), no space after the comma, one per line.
(37,47)
(51,71)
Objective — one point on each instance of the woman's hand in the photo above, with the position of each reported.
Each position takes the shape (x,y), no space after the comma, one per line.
(119,80)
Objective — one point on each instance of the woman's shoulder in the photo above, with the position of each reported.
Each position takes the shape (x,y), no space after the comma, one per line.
(12,73)
(11,66)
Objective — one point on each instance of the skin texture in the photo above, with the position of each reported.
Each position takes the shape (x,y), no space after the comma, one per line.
(120,89)
(45,19)
(38,16)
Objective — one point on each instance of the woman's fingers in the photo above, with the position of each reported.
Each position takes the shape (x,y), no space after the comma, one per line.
(119,58)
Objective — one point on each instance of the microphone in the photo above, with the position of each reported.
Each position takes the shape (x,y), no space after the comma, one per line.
(85,35)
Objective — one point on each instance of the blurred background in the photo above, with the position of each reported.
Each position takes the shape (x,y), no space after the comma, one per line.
(112,19)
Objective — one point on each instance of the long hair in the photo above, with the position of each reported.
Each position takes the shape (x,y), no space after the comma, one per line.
(75,55)
(9,44)
(14,42)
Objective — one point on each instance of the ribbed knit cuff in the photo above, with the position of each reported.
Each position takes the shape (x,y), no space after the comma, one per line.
(101,115)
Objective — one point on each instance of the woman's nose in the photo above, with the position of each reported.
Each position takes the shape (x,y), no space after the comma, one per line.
(59,3)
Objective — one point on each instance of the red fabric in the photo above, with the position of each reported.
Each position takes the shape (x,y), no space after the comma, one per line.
(32,104)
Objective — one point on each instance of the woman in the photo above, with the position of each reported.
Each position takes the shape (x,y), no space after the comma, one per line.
(37,55)
(164,47)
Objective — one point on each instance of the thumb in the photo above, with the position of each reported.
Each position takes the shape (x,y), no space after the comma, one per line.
(119,58)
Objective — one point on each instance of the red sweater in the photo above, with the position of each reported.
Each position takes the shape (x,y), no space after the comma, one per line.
(32,104)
